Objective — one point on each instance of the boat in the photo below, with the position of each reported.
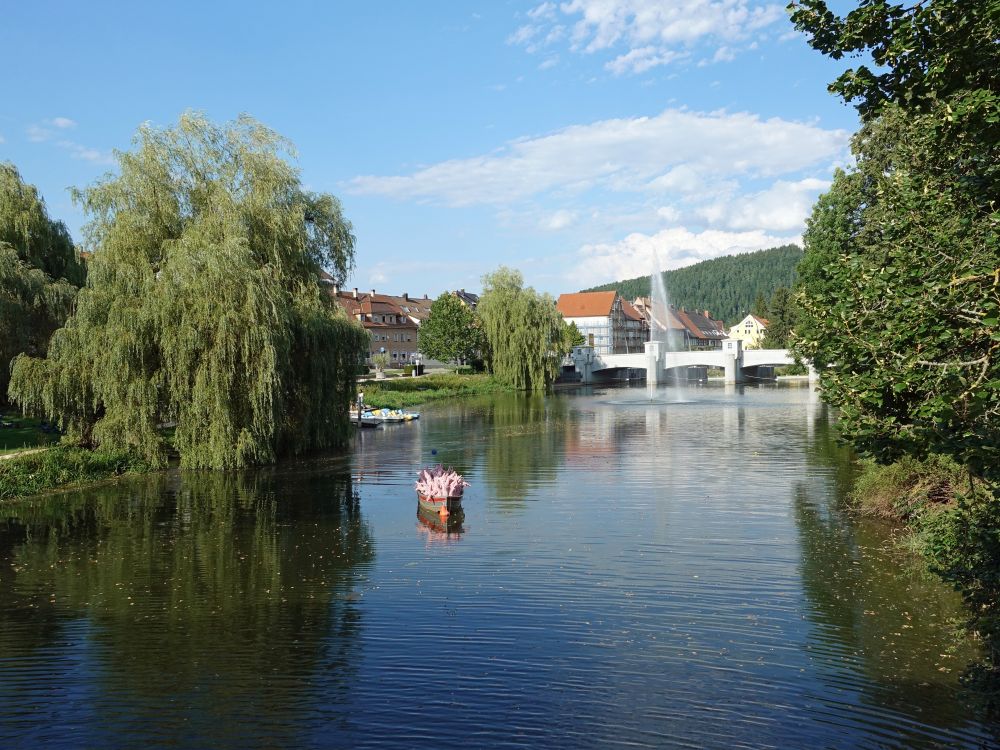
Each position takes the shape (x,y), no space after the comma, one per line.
(440,490)
(442,506)
(394,415)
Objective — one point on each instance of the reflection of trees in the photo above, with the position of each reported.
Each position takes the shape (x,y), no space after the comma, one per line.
(873,607)
(197,588)
(525,444)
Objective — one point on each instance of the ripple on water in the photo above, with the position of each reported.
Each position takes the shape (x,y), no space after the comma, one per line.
(624,577)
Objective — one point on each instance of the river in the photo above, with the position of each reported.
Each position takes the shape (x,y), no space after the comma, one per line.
(628,573)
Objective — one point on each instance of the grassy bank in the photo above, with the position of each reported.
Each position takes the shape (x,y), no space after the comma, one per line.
(19,433)
(59,467)
(954,521)
(404,392)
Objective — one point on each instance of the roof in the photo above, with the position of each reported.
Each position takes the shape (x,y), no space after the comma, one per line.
(371,304)
(586,304)
(701,325)
(630,312)
(467,298)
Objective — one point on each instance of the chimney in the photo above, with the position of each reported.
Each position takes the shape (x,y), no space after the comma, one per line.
(355,292)
(373,292)
(425,295)
(463,291)
(406,296)
(707,315)
(336,290)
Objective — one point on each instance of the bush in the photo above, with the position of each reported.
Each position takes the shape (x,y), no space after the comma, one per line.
(407,370)
(907,487)
(464,370)
(37,472)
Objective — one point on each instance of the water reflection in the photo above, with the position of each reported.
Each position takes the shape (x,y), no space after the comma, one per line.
(199,604)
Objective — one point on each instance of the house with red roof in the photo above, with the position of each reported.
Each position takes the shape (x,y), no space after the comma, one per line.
(600,317)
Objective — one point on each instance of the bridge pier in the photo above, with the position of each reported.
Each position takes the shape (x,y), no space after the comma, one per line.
(654,362)
(583,360)
(732,358)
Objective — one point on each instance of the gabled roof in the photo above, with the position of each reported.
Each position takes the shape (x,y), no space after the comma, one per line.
(630,312)
(701,325)
(586,304)
(468,298)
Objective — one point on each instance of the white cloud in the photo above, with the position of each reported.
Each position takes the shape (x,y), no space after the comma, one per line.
(652,32)
(633,256)
(63,123)
(559,220)
(675,150)
(549,62)
(782,207)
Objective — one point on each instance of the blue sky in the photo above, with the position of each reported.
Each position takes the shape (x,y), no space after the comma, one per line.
(571,140)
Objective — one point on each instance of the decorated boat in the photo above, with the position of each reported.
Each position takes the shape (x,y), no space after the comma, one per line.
(440,490)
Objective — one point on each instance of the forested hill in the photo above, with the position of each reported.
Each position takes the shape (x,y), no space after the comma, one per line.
(726,287)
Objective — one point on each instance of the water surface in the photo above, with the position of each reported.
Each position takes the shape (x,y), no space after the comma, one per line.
(625,574)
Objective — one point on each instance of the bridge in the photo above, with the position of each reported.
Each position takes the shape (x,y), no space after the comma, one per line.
(732,358)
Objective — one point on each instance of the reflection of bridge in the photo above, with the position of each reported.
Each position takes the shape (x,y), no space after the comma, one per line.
(732,358)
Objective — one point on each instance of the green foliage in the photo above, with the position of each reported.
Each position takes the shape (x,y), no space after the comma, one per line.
(571,336)
(523,330)
(52,468)
(404,392)
(451,332)
(39,272)
(380,361)
(901,277)
(780,320)
(908,487)
(925,52)
(203,306)
(727,287)
(900,295)
(964,546)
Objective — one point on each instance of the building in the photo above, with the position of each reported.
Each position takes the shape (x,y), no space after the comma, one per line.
(750,331)
(468,299)
(704,331)
(391,328)
(599,316)
(692,329)
(636,328)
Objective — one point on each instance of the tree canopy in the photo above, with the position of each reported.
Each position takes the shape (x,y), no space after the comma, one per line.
(40,272)
(203,306)
(451,332)
(525,334)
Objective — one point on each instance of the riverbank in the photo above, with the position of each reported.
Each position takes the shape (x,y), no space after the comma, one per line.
(59,467)
(398,393)
(953,520)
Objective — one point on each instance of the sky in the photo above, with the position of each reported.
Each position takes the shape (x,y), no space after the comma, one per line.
(580,142)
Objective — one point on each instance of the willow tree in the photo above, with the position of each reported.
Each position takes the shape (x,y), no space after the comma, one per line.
(524,331)
(39,272)
(203,306)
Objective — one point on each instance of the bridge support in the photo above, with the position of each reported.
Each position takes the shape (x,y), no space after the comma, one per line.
(654,362)
(813,374)
(732,357)
(583,360)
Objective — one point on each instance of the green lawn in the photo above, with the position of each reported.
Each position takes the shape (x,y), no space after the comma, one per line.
(26,433)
